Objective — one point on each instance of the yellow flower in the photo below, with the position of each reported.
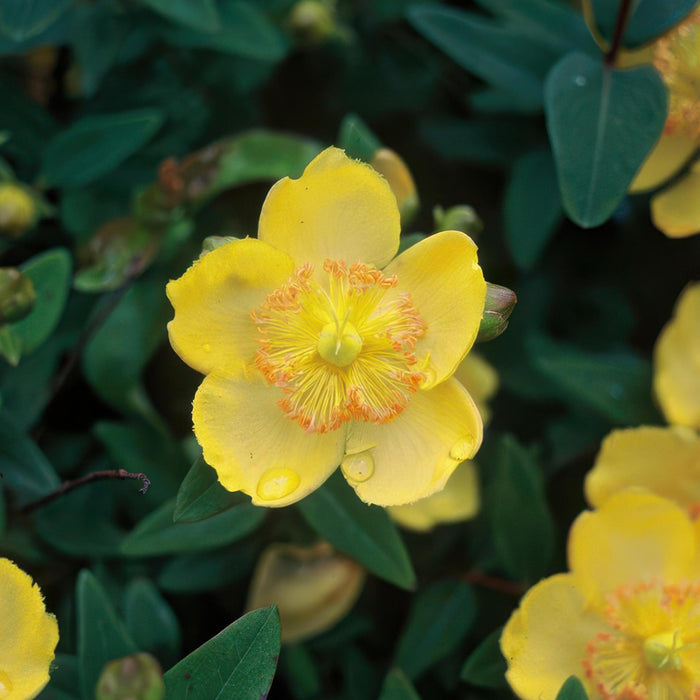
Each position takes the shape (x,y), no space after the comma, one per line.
(626,619)
(320,350)
(29,635)
(313,588)
(677,362)
(460,499)
(675,210)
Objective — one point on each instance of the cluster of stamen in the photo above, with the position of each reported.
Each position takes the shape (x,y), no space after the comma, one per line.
(341,346)
(677,57)
(650,651)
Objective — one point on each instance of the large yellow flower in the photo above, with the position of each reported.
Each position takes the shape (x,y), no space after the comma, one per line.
(29,635)
(626,619)
(676,209)
(320,350)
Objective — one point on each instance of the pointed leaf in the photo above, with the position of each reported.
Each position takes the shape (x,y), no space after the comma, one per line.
(198,15)
(572,690)
(398,687)
(486,666)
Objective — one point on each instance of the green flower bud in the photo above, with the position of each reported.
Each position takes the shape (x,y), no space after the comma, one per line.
(458,218)
(500,302)
(18,210)
(137,677)
(312,22)
(17,295)
(213,242)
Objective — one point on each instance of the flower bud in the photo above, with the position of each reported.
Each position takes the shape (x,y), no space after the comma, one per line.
(137,677)
(213,242)
(17,295)
(497,310)
(458,218)
(389,164)
(313,587)
(312,22)
(18,210)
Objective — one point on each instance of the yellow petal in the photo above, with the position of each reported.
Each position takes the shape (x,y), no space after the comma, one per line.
(635,536)
(670,154)
(677,362)
(480,379)
(212,328)
(676,210)
(29,636)
(339,208)
(412,456)
(254,447)
(544,642)
(664,460)
(458,501)
(446,285)
(312,587)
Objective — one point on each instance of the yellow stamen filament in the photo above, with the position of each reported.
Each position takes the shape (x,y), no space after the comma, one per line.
(340,347)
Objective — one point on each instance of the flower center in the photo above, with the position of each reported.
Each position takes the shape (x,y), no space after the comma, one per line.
(651,651)
(677,57)
(340,346)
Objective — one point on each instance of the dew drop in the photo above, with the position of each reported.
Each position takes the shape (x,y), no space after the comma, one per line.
(462,449)
(358,467)
(580,80)
(5,685)
(277,483)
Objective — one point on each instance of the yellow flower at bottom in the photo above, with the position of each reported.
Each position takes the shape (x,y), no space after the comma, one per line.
(321,350)
(626,619)
(29,635)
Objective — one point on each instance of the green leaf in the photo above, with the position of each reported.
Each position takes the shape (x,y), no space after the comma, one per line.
(532,207)
(440,618)
(64,683)
(615,384)
(357,138)
(95,145)
(23,466)
(201,495)
(300,672)
(156,534)
(398,687)
(486,666)
(151,621)
(364,532)
(23,19)
(602,123)
(499,55)
(572,690)
(238,664)
(521,523)
(101,635)
(198,15)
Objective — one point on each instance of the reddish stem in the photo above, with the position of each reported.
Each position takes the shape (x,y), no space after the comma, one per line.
(479,578)
(623,15)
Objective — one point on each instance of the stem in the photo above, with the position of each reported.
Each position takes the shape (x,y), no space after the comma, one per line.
(479,578)
(67,486)
(623,15)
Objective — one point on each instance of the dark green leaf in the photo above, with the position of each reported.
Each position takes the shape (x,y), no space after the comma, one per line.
(101,635)
(300,671)
(521,524)
(201,495)
(238,664)
(440,618)
(364,532)
(23,19)
(398,687)
(64,683)
(198,15)
(157,534)
(486,666)
(151,621)
(95,145)
(357,139)
(602,123)
(532,207)
(572,690)
(23,466)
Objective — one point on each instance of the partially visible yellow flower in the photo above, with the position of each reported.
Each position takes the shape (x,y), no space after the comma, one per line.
(319,349)
(677,362)
(675,210)
(29,635)
(313,587)
(460,499)
(626,619)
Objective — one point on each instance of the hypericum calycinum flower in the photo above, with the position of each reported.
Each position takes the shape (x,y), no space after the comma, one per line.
(29,635)
(626,620)
(320,350)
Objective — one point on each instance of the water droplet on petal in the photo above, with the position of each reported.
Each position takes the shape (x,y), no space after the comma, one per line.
(358,467)
(5,685)
(277,483)
(462,449)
